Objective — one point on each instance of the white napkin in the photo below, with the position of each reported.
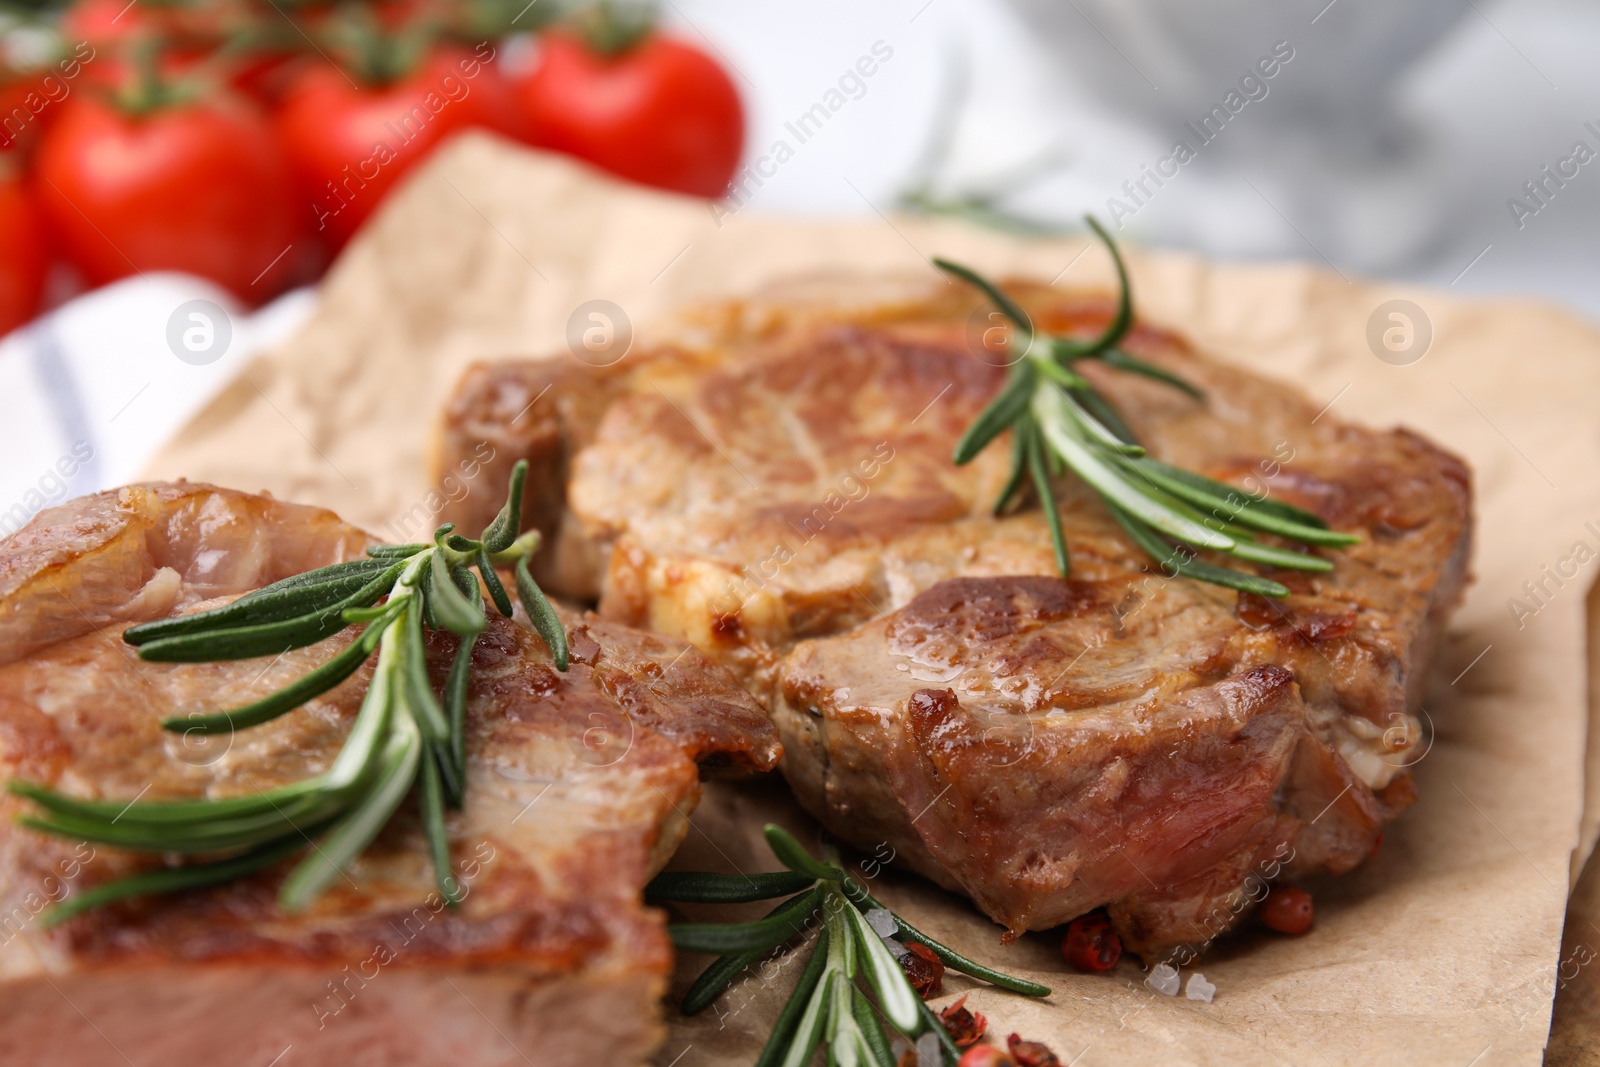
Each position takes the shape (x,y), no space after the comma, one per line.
(92,389)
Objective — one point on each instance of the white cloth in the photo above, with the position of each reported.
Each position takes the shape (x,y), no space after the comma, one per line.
(89,391)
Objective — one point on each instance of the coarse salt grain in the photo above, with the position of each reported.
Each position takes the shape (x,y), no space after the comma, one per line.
(882,921)
(1163,978)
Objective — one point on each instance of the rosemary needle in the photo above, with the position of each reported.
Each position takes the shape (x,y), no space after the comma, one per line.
(1058,419)
(403,737)
(828,1003)
(717,889)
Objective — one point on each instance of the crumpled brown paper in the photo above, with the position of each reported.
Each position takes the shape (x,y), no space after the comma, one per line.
(1443,949)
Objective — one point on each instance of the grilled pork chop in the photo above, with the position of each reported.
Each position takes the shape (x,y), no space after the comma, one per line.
(579,787)
(783,496)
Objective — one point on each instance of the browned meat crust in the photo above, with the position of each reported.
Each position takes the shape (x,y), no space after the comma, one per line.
(786,501)
(579,787)
(541,412)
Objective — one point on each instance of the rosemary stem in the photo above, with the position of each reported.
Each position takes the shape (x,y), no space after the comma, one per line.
(523,547)
(895,995)
(863,900)
(1051,412)
(932,1024)
(400,732)
(1059,421)
(356,758)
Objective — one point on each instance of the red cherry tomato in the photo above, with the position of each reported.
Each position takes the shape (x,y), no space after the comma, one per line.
(31,99)
(187,28)
(20,124)
(265,76)
(660,112)
(22,255)
(1287,910)
(189,35)
(103,22)
(109,28)
(197,187)
(349,145)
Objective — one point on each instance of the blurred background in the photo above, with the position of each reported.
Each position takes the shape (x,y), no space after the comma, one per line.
(175,175)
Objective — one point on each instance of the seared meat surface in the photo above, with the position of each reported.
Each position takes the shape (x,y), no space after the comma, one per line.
(784,498)
(579,787)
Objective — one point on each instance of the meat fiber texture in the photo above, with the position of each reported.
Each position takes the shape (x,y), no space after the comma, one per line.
(1442,946)
(579,786)
(783,495)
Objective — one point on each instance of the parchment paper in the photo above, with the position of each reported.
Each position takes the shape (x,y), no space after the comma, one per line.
(1443,949)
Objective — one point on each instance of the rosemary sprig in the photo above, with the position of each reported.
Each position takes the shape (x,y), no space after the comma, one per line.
(827,1004)
(1059,419)
(401,734)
